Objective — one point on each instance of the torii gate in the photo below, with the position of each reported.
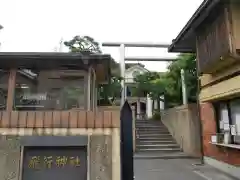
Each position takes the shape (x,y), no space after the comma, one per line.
(122,46)
(126,116)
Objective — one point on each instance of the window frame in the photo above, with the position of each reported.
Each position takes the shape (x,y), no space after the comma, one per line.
(217,111)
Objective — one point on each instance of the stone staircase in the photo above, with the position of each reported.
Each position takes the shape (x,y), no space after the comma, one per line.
(153,136)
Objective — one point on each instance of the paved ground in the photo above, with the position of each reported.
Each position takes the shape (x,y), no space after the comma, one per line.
(175,169)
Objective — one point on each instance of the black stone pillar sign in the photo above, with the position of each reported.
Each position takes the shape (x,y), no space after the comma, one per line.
(126,142)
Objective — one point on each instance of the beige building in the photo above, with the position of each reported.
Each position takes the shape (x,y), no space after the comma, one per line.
(50,125)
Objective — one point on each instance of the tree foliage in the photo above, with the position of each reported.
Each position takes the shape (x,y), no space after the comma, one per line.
(106,92)
(173,86)
(83,43)
(150,83)
(169,83)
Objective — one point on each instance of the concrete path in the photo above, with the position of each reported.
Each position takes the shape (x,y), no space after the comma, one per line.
(175,169)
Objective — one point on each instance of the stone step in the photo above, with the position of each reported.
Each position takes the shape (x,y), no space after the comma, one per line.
(168,138)
(155,142)
(159,150)
(148,121)
(149,127)
(158,146)
(147,124)
(162,155)
(152,131)
(154,123)
(155,135)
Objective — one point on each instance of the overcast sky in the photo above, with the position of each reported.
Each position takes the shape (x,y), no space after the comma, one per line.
(38,25)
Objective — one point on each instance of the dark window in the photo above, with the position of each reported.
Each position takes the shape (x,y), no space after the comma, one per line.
(49,90)
(228,115)
(4,75)
(235,118)
(129,94)
(223,117)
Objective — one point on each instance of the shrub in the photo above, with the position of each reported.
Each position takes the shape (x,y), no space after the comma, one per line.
(156,116)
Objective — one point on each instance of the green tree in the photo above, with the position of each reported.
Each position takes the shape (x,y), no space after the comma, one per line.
(150,83)
(83,44)
(109,92)
(86,44)
(169,83)
(172,80)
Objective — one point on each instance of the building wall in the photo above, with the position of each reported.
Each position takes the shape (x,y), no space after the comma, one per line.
(222,89)
(227,155)
(220,86)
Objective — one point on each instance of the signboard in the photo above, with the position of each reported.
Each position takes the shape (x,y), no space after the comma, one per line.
(55,163)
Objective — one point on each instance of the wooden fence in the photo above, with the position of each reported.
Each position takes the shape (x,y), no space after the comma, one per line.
(60,119)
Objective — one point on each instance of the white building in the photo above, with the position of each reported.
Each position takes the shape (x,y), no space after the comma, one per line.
(144,105)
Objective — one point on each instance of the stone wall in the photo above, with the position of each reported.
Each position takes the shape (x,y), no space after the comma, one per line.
(183,124)
(118,108)
(103,151)
(10,155)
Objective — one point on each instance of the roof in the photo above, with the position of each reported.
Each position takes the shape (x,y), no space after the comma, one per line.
(42,60)
(138,66)
(115,69)
(186,39)
(129,65)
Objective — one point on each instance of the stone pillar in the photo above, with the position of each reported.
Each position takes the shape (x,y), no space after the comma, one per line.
(125,91)
(155,104)
(134,128)
(162,103)
(138,109)
(149,107)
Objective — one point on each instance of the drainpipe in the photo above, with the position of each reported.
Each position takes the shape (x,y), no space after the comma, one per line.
(199,114)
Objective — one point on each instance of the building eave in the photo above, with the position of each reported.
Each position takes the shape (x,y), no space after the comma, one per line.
(47,60)
(186,39)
